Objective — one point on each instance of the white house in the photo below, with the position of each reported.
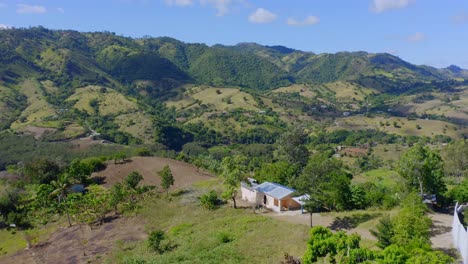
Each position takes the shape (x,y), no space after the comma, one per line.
(274,196)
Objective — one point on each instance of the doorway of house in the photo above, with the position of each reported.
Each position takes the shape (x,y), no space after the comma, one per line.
(264,199)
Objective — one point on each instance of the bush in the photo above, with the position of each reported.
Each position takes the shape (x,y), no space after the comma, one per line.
(133,179)
(194,149)
(155,239)
(143,152)
(209,200)
(460,192)
(224,237)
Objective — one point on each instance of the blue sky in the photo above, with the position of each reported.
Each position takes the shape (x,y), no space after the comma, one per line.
(432,32)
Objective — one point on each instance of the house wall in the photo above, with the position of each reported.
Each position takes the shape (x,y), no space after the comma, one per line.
(270,202)
(289,203)
(248,195)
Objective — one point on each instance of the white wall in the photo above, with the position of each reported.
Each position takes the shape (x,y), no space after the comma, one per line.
(248,195)
(270,203)
(460,235)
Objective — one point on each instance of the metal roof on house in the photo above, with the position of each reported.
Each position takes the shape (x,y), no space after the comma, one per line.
(274,190)
(301,199)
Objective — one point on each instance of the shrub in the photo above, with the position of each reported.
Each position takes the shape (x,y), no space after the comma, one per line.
(224,237)
(155,239)
(133,179)
(143,152)
(209,200)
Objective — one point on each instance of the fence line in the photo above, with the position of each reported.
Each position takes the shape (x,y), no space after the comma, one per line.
(460,234)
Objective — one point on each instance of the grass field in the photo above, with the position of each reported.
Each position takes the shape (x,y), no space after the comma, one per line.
(401,126)
(136,124)
(110,101)
(225,235)
(389,152)
(438,105)
(303,89)
(345,91)
(219,99)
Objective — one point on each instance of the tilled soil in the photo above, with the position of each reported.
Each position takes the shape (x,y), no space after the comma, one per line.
(184,173)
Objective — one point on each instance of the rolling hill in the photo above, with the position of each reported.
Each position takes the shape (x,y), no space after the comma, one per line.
(132,90)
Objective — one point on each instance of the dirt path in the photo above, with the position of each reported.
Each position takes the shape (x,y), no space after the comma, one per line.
(80,244)
(441,237)
(184,173)
(441,234)
(318,219)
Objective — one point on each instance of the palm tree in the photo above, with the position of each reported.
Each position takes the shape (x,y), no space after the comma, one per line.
(60,191)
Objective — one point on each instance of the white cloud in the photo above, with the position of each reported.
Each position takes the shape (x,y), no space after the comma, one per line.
(416,37)
(222,6)
(379,6)
(262,16)
(30,9)
(392,51)
(310,20)
(181,3)
(4,26)
(60,10)
(460,18)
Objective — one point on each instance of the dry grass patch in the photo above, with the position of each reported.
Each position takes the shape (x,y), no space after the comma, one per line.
(405,127)
(137,125)
(220,99)
(110,101)
(303,89)
(38,108)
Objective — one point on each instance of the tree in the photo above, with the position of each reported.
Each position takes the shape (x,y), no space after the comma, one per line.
(411,224)
(455,157)
(422,169)
(167,179)
(326,182)
(233,172)
(290,147)
(384,232)
(91,207)
(409,227)
(280,172)
(117,195)
(133,179)
(339,246)
(95,204)
(60,191)
(41,171)
(460,192)
(120,157)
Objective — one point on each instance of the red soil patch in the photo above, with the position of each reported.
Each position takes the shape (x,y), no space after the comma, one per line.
(80,244)
(184,173)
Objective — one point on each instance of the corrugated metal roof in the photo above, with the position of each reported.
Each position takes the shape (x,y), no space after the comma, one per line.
(274,190)
(301,199)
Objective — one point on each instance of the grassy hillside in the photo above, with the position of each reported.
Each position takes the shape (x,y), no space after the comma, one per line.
(402,126)
(102,100)
(38,109)
(119,86)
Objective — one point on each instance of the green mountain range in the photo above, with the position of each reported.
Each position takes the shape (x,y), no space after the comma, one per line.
(63,79)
